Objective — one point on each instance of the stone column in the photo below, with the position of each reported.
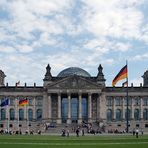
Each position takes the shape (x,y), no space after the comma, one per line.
(59,109)
(34,108)
(98,108)
(16,113)
(103,107)
(141,109)
(89,108)
(114,109)
(69,109)
(16,109)
(80,108)
(50,107)
(45,106)
(123,109)
(132,109)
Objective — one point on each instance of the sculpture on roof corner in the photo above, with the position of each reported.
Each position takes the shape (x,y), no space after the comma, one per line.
(100,75)
(48,75)
(2,78)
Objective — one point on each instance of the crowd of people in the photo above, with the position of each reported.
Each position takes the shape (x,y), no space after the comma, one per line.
(19,132)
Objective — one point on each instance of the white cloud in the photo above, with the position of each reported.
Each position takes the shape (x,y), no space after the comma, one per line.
(25,48)
(88,36)
(140,57)
(119,46)
(114,18)
(7,49)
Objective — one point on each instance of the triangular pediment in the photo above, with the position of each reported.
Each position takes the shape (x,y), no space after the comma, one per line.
(74,82)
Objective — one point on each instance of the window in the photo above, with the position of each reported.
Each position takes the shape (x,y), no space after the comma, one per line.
(145,114)
(3,114)
(39,102)
(74,109)
(12,102)
(118,101)
(30,114)
(30,102)
(21,114)
(137,101)
(109,101)
(11,125)
(129,114)
(118,115)
(1,125)
(129,101)
(39,114)
(137,114)
(145,101)
(12,114)
(84,109)
(109,115)
(64,110)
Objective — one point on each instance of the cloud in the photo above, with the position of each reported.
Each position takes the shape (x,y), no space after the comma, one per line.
(67,33)
(6,49)
(116,18)
(140,57)
(119,46)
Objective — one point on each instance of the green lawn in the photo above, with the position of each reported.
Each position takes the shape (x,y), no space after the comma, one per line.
(35,141)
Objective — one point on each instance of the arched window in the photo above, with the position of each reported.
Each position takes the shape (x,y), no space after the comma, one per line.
(21,114)
(109,115)
(129,114)
(145,114)
(118,115)
(137,114)
(39,114)
(3,114)
(30,114)
(12,114)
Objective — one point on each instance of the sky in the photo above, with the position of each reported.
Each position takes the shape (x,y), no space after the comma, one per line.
(73,33)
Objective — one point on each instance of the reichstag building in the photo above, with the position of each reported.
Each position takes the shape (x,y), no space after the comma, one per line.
(74,97)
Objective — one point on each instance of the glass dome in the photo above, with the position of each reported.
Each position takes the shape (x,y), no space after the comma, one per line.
(73,71)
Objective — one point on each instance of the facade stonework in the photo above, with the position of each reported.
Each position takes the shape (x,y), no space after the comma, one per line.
(74,97)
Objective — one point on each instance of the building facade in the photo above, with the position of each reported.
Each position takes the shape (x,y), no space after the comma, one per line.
(74,97)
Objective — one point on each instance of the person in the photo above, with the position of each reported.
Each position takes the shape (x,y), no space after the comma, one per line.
(137,133)
(63,132)
(77,132)
(133,132)
(67,132)
(141,131)
(82,132)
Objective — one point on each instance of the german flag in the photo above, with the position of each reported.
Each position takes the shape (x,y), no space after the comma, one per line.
(23,102)
(120,76)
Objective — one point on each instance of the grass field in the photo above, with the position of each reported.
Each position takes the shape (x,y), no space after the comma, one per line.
(35,141)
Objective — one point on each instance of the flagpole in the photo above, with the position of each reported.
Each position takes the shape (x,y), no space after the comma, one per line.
(27,125)
(127,111)
(18,122)
(8,117)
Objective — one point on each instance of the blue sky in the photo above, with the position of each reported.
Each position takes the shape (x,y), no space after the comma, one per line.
(66,33)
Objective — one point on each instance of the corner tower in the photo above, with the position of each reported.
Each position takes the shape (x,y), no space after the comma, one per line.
(145,79)
(2,78)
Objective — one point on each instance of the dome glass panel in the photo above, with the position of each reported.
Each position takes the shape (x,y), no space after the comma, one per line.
(73,71)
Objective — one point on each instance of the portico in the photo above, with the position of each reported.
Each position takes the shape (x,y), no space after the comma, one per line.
(72,107)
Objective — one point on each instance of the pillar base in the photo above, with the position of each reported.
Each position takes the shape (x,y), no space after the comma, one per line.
(59,121)
(68,121)
(79,121)
(90,120)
